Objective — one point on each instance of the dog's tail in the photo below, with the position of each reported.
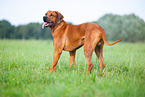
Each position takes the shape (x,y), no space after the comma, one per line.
(104,39)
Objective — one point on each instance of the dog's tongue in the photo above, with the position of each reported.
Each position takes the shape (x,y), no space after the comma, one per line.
(45,23)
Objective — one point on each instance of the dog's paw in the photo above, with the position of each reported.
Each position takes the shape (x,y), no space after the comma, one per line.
(51,70)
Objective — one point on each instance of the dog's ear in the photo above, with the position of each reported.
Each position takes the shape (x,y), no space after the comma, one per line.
(59,17)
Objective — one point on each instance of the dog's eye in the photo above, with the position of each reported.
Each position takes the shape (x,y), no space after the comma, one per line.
(52,15)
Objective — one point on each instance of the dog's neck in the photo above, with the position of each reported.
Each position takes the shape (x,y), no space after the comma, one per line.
(56,27)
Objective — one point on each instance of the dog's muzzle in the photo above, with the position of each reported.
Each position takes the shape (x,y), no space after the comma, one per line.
(45,18)
(47,23)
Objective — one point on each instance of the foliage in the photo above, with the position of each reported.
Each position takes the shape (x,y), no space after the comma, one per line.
(29,31)
(24,71)
(128,27)
(6,29)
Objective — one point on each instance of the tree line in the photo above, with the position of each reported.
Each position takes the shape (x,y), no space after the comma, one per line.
(130,28)
(29,31)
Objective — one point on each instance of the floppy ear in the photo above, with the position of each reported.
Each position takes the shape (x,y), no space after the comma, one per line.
(59,17)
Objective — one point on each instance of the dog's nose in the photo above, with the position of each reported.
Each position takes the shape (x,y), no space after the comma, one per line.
(44,18)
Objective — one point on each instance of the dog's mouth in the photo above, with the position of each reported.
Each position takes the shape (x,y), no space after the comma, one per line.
(47,24)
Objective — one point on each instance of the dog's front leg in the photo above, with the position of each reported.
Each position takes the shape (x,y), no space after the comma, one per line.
(72,58)
(56,56)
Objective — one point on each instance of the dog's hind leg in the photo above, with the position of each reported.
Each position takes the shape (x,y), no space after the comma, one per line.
(89,45)
(88,56)
(99,54)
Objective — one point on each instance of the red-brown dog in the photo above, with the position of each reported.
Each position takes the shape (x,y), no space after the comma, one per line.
(70,37)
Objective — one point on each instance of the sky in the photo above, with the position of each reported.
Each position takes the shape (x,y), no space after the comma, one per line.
(19,12)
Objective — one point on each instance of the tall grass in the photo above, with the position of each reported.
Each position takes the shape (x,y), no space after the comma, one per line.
(24,71)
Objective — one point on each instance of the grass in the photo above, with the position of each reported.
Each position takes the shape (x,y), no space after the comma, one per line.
(24,71)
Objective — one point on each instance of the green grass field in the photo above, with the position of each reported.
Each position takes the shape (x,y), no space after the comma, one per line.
(24,71)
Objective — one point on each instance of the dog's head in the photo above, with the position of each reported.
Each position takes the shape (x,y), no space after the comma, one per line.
(52,18)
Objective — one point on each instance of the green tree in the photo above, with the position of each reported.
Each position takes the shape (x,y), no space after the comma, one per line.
(128,27)
(21,32)
(133,28)
(6,30)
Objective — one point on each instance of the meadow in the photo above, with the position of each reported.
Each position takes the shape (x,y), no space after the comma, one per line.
(24,71)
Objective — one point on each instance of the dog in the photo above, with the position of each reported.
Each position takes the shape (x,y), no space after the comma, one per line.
(70,37)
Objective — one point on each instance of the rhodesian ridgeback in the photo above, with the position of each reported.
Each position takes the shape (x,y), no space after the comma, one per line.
(70,37)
